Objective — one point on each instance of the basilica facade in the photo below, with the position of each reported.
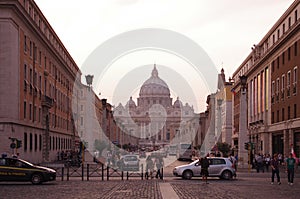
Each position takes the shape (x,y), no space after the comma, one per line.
(154,120)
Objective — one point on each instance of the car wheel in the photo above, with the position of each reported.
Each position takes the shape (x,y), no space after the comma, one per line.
(36,178)
(187,175)
(227,175)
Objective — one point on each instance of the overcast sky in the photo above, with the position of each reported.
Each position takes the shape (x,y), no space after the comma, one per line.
(225,29)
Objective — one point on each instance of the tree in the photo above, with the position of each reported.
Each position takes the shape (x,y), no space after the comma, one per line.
(224,147)
(100,145)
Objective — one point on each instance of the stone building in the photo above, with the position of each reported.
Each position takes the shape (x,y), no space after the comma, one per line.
(272,89)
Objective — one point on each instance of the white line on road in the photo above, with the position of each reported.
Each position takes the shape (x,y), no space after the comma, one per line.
(167,191)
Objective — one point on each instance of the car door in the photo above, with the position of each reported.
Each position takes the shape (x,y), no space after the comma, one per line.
(16,171)
(216,166)
(196,169)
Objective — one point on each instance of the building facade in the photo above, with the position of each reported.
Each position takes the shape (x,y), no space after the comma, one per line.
(155,120)
(272,88)
(37,75)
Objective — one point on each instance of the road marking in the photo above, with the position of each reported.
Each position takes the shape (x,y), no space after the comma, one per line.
(167,191)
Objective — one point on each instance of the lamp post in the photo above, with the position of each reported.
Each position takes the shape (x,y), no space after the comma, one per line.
(243,154)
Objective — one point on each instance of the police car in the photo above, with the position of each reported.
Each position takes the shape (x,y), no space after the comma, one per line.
(14,169)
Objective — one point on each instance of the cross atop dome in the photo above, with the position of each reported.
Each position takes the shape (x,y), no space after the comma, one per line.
(154,71)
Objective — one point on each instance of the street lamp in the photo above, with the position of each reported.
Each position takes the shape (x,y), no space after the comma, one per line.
(89,80)
(243,79)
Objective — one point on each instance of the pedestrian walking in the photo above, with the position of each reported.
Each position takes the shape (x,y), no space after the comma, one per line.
(275,168)
(290,164)
(267,162)
(204,168)
(159,165)
(149,168)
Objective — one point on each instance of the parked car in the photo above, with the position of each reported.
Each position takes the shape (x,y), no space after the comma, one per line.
(218,167)
(129,163)
(18,170)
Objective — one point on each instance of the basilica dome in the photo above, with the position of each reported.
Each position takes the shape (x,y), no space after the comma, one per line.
(154,86)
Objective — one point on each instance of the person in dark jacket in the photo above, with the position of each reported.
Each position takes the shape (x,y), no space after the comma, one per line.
(275,169)
(204,168)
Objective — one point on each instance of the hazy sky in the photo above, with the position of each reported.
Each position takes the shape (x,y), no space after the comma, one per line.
(225,29)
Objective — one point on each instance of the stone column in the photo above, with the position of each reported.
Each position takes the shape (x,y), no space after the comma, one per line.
(243,138)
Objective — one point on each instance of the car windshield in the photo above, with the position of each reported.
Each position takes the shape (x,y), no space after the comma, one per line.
(130,158)
(194,162)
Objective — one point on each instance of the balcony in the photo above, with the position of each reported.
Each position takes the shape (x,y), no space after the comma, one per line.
(47,101)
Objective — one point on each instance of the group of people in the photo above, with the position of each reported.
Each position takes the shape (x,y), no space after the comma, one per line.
(150,167)
(289,164)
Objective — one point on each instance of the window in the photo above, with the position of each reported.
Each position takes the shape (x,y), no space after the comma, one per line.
(30,111)
(289,53)
(295,110)
(30,49)
(45,60)
(273,88)
(296,15)
(283,114)
(289,113)
(272,118)
(273,39)
(273,69)
(296,48)
(283,28)
(41,141)
(277,62)
(25,43)
(282,83)
(25,141)
(30,141)
(295,79)
(277,115)
(40,114)
(278,33)
(288,80)
(40,58)
(289,22)
(34,113)
(277,86)
(24,113)
(25,71)
(283,55)
(35,142)
(30,75)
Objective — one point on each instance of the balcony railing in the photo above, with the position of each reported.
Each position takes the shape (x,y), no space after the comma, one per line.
(47,101)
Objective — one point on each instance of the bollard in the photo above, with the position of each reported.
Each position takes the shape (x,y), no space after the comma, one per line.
(162,173)
(87,171)
(122,175)
(127,175)
(67,173)
(82,172)
(142,171)
(62,173)
(102,172)
(107,176)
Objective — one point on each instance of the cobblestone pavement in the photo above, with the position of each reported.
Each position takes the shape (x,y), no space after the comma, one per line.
(247,185)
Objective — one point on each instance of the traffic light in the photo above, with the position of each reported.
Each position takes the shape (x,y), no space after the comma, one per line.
(19,144)
(246,145)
